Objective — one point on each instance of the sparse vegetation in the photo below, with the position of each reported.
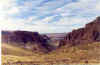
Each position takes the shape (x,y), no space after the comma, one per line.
(76,54)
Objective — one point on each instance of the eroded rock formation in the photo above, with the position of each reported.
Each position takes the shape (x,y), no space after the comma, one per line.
(90,33)
(27,39)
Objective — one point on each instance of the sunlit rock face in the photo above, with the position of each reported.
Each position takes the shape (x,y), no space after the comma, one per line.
(90,33)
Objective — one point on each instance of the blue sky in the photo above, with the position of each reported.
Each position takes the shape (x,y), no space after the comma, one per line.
(47,16)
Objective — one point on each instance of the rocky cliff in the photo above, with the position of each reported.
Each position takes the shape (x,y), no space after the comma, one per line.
(27,39)
(90,33)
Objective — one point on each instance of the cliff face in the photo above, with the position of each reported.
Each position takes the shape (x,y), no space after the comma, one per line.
(90,33)
(27,39)
(22,37)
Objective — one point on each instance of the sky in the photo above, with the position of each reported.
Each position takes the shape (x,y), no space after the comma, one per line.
(47,16)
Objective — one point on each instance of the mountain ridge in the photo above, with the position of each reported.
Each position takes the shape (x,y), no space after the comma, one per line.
(27,40)
(90,33)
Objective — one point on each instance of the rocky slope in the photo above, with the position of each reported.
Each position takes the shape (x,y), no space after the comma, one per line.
(90,33)
(30,40)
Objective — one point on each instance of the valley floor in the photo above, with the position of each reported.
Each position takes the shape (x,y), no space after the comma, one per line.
(84,53)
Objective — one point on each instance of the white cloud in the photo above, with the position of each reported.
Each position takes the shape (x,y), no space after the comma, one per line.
(14,10)
(98,6)
(10,24)
(74,15)
(5,3)
(5,10)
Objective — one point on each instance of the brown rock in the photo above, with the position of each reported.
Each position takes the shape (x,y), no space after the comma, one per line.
(27,39)
(90,33)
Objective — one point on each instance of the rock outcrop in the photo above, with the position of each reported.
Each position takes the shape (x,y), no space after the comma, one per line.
(26,38)
(90,33)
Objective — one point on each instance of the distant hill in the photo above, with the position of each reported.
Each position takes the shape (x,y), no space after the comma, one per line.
(56,36)
(89,34)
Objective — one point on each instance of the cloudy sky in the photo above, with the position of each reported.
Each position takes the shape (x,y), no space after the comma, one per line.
(47,16)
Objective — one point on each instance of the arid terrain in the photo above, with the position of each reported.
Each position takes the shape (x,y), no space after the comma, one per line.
(79,46)
(77,54)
